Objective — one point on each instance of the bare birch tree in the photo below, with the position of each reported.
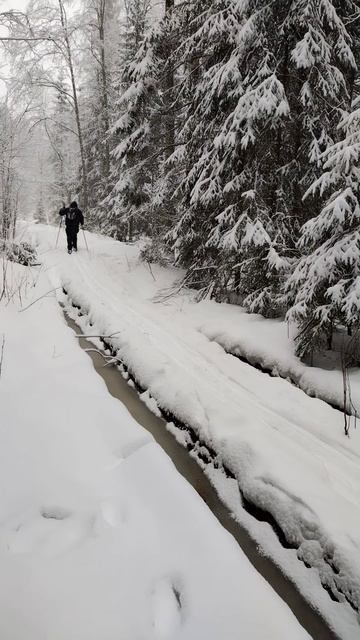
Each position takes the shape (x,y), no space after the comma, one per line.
(40,43)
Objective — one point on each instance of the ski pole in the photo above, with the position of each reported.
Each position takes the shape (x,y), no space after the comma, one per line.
(86,244)
(57,239)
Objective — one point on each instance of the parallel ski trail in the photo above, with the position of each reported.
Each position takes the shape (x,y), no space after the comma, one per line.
(186,354)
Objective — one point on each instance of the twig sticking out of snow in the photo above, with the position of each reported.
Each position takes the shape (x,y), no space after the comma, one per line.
(2,353)
(86,335)
(109,360)
(347,360)
(37,299)
(151,271)
(188,282)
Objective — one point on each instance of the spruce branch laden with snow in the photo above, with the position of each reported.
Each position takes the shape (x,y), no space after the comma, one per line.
(325,286)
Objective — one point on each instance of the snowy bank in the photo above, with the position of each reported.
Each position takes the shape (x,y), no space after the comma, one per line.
(270,344)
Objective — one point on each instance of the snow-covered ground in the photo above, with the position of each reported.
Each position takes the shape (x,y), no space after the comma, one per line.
(271,344)
(286,450)
(100,537)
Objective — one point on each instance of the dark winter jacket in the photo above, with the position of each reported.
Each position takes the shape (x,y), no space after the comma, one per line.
(73,217)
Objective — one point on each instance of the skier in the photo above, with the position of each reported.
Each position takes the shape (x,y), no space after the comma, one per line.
(73,218)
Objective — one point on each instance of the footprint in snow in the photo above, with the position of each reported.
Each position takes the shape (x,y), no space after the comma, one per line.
(55,513)
(166,607)
(50,531)
(110,515)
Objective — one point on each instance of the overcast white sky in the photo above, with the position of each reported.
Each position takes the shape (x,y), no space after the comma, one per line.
(5,5)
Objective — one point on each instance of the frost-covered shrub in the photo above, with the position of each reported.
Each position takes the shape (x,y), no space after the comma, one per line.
(20,252)
(156,251)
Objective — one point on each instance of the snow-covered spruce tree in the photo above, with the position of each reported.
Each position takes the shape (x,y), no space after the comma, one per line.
(325,286)
(142,195)
(272,76)
(130,174)
(101,34)
(170,116)
(133,173)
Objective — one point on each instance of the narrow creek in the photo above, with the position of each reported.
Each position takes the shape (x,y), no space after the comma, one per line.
(119,388)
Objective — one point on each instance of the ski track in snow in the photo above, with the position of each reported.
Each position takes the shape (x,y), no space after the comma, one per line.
(286,449)
(218,379)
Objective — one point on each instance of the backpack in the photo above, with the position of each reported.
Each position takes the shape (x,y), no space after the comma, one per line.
(71,214)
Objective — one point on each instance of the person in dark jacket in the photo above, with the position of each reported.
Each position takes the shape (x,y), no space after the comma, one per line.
(73,219)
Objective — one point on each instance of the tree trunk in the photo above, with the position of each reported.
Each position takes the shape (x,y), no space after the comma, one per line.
(169,119)
(104,90)
(330,337)
(76,103)
(130,229)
